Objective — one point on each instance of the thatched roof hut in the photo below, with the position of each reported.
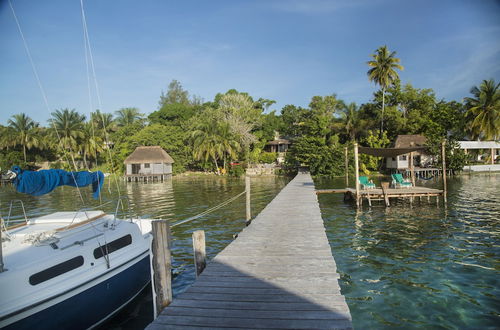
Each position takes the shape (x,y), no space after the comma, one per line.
(149,161)
(154,154)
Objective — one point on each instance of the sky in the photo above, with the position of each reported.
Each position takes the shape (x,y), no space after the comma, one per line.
(284,50)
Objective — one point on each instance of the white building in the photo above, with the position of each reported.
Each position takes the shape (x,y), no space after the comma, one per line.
(148,161)
(420,158)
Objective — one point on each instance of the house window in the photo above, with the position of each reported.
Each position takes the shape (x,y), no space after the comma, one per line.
(393,159)
(146,165)
(56,270)
(402,157)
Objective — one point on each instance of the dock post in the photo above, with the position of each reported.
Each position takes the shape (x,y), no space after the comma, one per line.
(247,190)
(1,254)
(200,255)
(443,156)
(356,170)
(346,168)
(162,264)
(412,169)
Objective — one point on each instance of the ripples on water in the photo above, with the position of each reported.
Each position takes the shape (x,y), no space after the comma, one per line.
(421,266)
(176,199)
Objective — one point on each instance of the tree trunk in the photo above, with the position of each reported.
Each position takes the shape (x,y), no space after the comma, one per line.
(216,166)
(383,107)
(24,153)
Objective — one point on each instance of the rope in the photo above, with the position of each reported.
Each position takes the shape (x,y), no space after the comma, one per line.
(210,210)
(42,90)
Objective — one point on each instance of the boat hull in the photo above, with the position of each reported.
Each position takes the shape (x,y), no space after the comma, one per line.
(89,308)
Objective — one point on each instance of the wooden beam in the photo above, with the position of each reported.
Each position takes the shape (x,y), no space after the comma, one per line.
(162,264)
(356,170)
(412,169)
(443,156)
(247,190)
(346,167)
(1,254)
(200,255)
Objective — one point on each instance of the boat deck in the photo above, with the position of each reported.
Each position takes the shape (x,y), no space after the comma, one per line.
(278,273)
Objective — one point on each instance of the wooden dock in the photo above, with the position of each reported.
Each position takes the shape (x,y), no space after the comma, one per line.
(385,194)
(279,273)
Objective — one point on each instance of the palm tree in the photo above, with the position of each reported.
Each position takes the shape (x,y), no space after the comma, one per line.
(484,110)
(213,140)
(103,121)
(68,126)
(353,122)
(24,132)
(128,116)
(91,143)
(383,72)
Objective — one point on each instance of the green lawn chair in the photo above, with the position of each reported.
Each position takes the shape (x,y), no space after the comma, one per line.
(365,184)
(399,182)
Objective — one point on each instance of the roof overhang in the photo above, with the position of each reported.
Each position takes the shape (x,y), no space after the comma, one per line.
(389,152)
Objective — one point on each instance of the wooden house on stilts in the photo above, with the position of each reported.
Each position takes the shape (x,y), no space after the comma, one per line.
(148,164)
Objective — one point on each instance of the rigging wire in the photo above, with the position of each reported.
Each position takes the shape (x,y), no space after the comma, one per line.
(44,95)
(88,53)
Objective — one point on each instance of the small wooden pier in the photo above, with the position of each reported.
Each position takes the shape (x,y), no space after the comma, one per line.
(278,273)
(385,194)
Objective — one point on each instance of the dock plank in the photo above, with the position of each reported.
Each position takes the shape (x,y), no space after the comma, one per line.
(278,273)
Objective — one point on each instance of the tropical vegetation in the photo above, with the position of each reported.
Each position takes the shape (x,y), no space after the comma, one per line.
(231,131)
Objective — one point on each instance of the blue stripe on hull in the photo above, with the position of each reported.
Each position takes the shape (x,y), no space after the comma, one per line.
(92,305)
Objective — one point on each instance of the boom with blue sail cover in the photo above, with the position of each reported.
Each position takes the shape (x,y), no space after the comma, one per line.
(41,182)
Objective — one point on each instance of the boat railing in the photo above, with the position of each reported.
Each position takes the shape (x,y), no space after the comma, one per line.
(119,203)
(10,213)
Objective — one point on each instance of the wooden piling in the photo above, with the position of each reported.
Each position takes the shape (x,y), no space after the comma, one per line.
(247,190)
(356,170)
(443,158)
(1,254)
(412,169)
(200,255)
(162,264)
(346,167)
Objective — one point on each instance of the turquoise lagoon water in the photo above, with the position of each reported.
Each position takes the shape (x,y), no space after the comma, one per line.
(420,266)
(401,267)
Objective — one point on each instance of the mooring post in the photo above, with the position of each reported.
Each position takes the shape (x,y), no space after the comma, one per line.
(443,156)
(356,170)
(247,190)
(346,167)
(1,254)
(412,169)
(162,264)
(200,255)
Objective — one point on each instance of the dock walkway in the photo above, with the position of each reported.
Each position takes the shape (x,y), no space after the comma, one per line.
(279,273)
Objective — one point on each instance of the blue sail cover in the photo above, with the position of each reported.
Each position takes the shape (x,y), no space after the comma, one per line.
(44,181)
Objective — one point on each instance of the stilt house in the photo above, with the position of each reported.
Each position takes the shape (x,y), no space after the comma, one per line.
(148,163)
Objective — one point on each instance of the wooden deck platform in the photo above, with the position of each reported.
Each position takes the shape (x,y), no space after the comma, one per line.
(279,273)
(385,195)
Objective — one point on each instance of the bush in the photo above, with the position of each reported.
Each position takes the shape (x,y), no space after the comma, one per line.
(236,170)
(268,157)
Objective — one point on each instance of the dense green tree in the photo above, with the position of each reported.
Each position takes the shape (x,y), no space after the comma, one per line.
(24,132)
(383,72)
(484,110)
(352,122)
(67,126)
(170,113)
(175,95)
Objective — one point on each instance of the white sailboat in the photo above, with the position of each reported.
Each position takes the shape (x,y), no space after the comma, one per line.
(71,270)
